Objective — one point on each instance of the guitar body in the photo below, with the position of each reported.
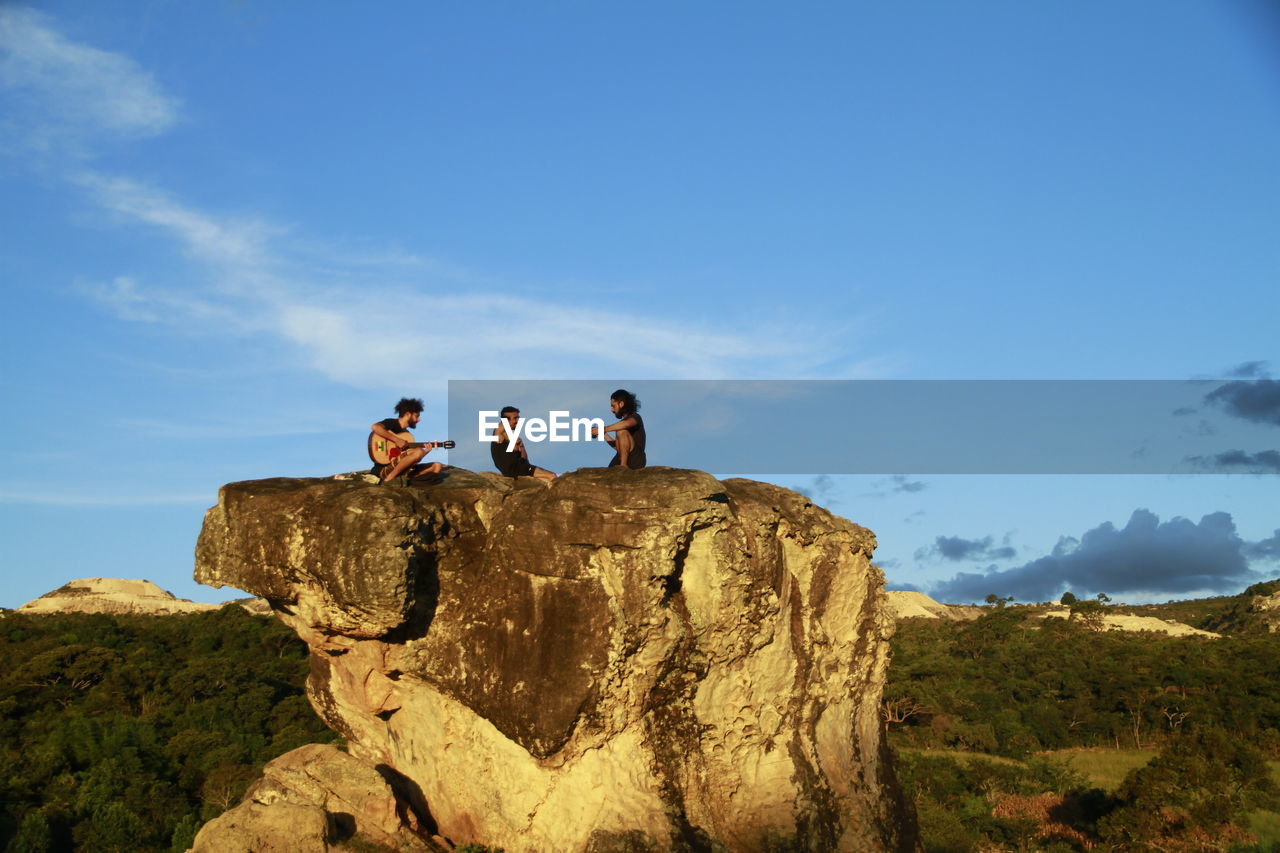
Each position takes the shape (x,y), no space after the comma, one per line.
(383,452)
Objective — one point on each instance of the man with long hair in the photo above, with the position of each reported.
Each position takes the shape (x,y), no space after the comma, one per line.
(628,438)
(408,414)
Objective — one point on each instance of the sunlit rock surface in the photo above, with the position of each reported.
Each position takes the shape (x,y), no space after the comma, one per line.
(620,660)
(115,596)
(907,604)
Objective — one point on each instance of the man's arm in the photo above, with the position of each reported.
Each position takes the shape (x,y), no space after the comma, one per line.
(382,432)
(628,422)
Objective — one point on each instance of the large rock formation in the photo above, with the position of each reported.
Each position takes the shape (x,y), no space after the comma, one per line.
(620,660)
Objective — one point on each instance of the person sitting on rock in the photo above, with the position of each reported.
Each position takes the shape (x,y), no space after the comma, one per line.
(408,414)
(513,463)
(628,437)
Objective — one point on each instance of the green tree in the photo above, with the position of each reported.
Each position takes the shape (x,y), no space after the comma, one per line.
(1201,784)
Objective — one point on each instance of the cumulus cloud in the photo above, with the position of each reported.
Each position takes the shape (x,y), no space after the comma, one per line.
(1256,400)
(1264,549)
(1250,370)
(958,548)
(1145,556)
(820,488)
(1239,461)
(896,485)
(64,93)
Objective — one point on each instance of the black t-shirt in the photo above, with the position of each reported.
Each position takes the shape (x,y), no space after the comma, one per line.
(637,458)
(392,425)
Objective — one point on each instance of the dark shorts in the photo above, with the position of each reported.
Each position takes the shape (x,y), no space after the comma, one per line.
(634,461)
(384,470)
(514,465)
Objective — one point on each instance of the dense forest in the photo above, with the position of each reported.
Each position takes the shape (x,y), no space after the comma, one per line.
(991,718)
(1009,685)
(128,732)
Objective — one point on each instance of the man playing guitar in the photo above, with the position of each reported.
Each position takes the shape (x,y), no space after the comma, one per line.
(395,430)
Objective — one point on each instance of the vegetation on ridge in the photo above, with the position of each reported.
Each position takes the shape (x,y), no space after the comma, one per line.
(983,717)
(128,732)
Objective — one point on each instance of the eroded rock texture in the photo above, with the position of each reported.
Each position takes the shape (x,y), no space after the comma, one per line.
(319,798)
(621,660)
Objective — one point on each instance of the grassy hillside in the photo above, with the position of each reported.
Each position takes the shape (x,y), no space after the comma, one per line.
(1014,733)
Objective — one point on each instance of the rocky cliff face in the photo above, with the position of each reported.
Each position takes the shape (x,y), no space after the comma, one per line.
(620,660)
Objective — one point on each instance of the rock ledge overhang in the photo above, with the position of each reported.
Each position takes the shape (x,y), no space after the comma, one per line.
(650,655)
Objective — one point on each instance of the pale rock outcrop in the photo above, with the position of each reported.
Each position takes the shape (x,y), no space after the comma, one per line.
(1124,622)
(115,596)
(620,660)
(908,604)
(1265,611)
(119,597)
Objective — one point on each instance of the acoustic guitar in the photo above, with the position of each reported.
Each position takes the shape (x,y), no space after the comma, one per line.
(384,452)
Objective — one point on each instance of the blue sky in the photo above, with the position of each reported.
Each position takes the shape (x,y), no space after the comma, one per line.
(234,233)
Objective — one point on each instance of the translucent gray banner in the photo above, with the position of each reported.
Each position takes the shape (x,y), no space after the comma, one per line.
(892,426)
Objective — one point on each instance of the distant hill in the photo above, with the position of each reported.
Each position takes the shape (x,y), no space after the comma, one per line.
(1126,622)
(1256,610)
(119,597)
(907,604)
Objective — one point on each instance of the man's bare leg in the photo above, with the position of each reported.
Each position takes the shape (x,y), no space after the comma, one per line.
(404,462)
(624,444)
(543,473)
(427,471)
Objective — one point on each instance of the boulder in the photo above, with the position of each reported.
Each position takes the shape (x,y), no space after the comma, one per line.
(315,798)
(1264,611)
(616,660)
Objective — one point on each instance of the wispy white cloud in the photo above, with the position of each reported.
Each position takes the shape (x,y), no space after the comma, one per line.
(65,95)
(363,325)
(232,430)
(363,316)
(229,243)
(20,496)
